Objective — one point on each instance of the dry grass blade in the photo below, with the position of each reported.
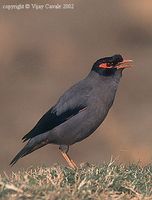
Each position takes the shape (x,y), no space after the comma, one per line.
(106,181)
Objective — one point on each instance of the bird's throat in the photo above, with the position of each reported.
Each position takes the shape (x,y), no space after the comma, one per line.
(105,72)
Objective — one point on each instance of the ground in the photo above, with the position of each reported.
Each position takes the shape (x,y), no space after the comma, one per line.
(105,181)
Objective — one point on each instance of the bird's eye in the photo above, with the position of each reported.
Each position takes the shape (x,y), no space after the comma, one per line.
(112,64)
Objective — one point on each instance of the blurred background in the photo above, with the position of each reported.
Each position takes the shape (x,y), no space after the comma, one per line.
(42,53)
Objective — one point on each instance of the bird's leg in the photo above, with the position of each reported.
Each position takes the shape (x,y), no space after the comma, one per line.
(64,149)
(66,157)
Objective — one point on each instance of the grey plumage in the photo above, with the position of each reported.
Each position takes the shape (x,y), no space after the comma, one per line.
(77,114)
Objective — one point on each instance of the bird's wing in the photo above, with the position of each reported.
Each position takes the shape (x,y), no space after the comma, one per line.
(70,104)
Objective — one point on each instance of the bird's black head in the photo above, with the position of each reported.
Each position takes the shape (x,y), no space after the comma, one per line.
(109,65)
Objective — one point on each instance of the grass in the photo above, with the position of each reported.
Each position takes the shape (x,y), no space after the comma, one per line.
(90,182)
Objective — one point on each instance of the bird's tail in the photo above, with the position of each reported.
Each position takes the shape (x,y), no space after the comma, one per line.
(31,146)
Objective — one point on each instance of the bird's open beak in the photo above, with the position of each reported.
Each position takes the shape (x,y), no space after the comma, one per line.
(124,64)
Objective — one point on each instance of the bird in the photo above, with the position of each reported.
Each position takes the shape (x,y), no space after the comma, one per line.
(79,111)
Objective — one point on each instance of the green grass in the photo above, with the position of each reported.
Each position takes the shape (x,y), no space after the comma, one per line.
(106,181)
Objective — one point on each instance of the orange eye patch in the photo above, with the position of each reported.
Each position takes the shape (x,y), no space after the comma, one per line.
(104,65)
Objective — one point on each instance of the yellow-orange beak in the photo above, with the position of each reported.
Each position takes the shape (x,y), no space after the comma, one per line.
(124,64)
